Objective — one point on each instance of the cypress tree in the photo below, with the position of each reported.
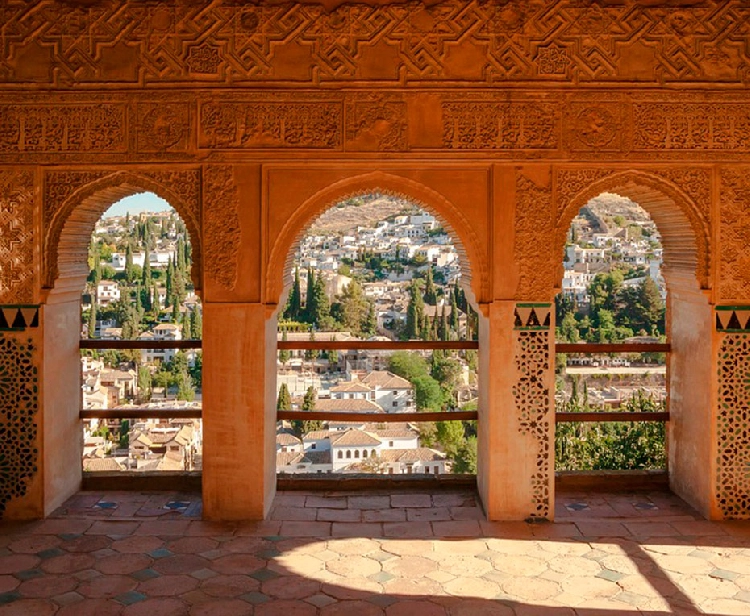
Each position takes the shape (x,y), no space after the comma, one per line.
(284,399)
(169,284)
(309,301)
(196,324)
(92,318)
(293,308)
(454,314)
(146,277)
(284,354)
(430,293)
(414,313)
(129,274)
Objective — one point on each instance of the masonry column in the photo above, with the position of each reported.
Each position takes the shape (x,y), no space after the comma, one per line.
(239,337)
(516,423)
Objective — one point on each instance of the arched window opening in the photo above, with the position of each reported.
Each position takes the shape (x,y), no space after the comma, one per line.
(372,272)
(612,293)
(141,326)
(348,454)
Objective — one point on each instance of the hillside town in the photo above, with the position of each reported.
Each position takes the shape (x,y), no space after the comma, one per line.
(376,268)
(612,291)
(139,288)
(372,268)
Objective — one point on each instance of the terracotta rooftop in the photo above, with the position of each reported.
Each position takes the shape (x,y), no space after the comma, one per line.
(351,386)
(286,438)
(329,404)
(386,380)
(354,438)
(423,454)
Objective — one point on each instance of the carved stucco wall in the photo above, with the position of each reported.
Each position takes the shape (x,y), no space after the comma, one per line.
(83,105)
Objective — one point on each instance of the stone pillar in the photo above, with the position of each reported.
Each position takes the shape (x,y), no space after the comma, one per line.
(61,396)
(691,459)
(239,479)
(516,422)
(239,350)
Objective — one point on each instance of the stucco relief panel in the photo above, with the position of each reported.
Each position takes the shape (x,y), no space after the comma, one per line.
(534,240)
(221,226)
(481,41)
(734,259)
(16,236)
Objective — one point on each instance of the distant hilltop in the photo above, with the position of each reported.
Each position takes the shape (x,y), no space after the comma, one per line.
(367,210)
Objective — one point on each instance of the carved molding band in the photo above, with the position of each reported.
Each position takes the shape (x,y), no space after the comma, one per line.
(734,258)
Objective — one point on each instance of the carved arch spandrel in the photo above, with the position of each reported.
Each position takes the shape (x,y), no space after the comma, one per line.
(474,264)
(682,223)
(75,200)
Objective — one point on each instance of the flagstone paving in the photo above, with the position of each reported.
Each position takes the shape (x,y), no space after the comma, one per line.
(402,554)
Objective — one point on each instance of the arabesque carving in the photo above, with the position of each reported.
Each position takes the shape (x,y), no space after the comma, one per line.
(63,128)
(293,124)
(481,41)
(376,123)
(534,240)
(500,126)
(734,256)
(16,236)
(221,225)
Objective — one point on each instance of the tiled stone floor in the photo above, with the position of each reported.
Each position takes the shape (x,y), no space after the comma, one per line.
(366,554)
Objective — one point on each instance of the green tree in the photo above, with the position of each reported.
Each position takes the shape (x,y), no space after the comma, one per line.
(414,313)
(92,318)
(144,383)
(354,308)
(129,269)
(284,399)
(293,307)
(569,328)
(284,354)
(185,389)
(302,427)
(465,460)
(307,313)
(430,293)
(196,324)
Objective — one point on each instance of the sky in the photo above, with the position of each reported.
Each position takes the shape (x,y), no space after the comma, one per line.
(135,204)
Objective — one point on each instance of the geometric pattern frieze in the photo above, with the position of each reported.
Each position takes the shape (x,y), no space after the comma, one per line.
(487,42)
(735,319)
(18,318)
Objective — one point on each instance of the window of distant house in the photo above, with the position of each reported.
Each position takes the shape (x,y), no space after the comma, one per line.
(348,454)
(356,453)
(341,454)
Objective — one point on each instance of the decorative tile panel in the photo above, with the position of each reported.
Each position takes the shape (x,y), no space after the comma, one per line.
(533,398)
(19,407)
(733,427)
